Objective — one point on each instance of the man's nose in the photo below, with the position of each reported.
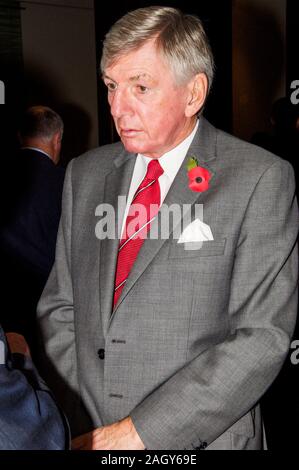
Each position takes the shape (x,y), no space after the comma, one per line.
(120,104)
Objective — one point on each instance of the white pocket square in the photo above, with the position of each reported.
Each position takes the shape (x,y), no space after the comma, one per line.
(197,231)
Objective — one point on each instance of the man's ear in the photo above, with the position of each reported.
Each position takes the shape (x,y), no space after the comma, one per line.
(198,89)
(56,146)
(56,138)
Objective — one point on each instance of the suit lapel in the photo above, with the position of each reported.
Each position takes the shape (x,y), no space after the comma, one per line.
(117,184)
(203,148)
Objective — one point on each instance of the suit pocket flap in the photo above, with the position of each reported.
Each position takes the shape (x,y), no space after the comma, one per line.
(194,249)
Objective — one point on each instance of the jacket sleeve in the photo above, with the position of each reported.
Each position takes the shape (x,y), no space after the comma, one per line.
(29,416)
(209,394)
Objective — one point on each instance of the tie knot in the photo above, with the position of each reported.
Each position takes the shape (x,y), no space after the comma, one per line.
(154,170)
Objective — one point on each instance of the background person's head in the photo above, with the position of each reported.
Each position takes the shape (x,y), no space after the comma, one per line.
(41,127)
(158,67)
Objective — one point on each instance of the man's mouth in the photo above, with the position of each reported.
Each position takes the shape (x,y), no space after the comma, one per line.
(129,132)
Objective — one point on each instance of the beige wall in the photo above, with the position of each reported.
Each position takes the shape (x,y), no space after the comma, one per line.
(60,59)
(259,37)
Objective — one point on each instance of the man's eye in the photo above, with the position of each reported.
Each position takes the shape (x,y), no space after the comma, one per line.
(142,89)
(111,86)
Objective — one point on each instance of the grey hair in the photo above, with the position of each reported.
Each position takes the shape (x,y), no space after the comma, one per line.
(40,122)
(180,37)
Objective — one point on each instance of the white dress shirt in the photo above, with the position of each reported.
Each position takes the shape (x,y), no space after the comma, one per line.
(170,162)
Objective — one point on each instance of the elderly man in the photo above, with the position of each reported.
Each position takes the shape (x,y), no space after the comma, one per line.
(170,342)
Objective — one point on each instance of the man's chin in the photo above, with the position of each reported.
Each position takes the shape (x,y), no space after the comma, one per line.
(131,147)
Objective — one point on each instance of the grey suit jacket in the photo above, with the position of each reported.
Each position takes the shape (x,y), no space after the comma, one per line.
(197,336)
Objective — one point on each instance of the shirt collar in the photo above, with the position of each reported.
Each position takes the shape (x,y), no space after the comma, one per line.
(172,160)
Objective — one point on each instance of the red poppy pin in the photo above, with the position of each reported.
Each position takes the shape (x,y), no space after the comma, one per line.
(199,177)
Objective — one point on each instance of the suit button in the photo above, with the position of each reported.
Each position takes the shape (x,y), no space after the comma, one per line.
(101,354)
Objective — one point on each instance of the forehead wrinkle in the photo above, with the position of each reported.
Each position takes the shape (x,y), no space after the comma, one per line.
(133,78)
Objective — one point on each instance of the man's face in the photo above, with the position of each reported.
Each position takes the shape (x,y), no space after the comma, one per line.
(147,106)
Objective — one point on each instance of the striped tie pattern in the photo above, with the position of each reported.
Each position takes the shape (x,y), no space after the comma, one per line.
(144,207)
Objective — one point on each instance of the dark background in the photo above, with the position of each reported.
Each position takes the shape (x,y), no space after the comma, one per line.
(23,88)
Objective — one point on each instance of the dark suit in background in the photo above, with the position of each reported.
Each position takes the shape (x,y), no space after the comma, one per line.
(31,203)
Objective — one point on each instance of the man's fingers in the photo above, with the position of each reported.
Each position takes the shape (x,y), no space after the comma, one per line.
(17,344)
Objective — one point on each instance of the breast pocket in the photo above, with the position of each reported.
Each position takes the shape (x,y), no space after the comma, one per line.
(195,249)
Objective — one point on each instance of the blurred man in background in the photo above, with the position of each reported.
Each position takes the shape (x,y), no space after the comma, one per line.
(31,204)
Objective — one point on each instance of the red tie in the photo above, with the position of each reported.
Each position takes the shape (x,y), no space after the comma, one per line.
(138,223)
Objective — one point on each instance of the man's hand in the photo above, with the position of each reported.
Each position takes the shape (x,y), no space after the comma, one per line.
(117,436)
(17,344)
